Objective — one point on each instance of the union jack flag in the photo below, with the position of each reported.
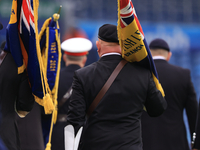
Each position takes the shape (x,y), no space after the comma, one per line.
(132,39)
(26,28)
(27,15)
(26,25)
(21,23)
(21,42)
(128,14)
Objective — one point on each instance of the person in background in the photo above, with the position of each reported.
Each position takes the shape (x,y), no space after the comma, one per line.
(2,145)
(15,97)
(30,129)
(74,32)
(115,122)
(168,131)
(75,57)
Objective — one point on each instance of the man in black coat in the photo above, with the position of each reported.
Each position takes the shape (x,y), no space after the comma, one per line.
(2,145)
(75,57)
(30,129)
(15,96)
(115,122)
(168,131)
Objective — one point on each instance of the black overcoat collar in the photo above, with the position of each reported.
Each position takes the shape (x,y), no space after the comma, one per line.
(110,57)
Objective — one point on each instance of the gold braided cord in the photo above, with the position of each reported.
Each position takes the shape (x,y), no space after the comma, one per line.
(48,146)
(35,7)
(47,99)
(42,59)
(55,89)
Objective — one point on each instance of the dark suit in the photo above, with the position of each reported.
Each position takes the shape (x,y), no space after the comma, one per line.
(14,87)
(167,132)
(2,145)
(30,129)
(65,82)
(115,123)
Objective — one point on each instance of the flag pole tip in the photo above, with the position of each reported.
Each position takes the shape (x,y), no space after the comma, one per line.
(59,9)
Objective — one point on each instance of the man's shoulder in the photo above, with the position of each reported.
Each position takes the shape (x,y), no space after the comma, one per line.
(86,69)
(138,66)
(164,64)
(179,68)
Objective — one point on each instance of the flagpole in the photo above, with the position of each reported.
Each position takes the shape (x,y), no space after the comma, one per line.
(57,15)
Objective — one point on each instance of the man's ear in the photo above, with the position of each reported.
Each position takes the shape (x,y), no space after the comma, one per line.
(64,57)
(169,56)
(84,60)
(98,46)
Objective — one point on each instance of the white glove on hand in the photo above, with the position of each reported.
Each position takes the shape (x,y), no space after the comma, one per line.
(71,142)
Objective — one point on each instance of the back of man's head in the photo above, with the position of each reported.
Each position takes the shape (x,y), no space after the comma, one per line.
(159,44)
(108,40)
(74,58)
(159,47)
(108,33)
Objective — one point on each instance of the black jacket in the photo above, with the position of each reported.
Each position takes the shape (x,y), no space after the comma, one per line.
(168,132)
(14,88)
(115,123)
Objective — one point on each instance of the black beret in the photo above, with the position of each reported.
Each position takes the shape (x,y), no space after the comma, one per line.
(159,43)
(108,33)
(1,26)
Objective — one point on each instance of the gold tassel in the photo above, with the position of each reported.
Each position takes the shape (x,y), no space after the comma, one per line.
(55,111)
(55,116)
(39,100)
(48,147)
(48,104)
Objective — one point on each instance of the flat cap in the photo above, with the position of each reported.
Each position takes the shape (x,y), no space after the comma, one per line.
(159,43)
(76,46)
(108,33)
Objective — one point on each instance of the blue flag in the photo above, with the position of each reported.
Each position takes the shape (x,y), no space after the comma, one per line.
(40,56)
(12,36)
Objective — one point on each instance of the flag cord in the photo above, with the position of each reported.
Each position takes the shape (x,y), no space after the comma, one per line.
(47,99)
(55,111)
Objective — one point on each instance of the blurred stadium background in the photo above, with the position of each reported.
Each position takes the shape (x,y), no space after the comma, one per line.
(176,21)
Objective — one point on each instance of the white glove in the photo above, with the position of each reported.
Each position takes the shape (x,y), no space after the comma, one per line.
(71,142)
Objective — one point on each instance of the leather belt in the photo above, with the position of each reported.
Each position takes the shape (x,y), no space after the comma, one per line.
(62,118)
